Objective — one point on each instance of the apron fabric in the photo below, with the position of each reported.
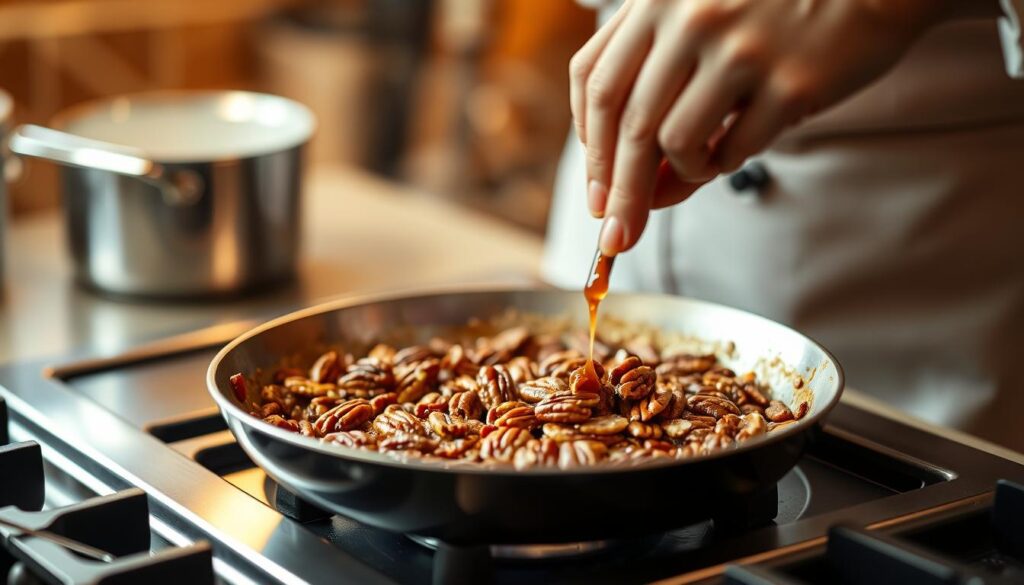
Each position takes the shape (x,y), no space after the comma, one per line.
(892,232)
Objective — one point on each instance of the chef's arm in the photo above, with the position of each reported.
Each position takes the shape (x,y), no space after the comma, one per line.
(670,93)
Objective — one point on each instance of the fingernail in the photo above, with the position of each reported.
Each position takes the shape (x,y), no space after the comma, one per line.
(597,198)
(612,236)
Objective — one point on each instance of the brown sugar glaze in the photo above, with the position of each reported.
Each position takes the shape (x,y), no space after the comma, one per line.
(595,291)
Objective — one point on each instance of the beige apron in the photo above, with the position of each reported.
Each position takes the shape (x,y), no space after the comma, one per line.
(892,232)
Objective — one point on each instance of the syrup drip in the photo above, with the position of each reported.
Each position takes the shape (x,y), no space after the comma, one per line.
(595,291)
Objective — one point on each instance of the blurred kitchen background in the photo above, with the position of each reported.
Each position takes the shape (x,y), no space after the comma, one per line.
(464,99)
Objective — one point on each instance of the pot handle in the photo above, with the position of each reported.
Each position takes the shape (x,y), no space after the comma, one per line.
(179,187)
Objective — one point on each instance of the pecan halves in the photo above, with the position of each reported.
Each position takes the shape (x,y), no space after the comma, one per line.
(573,454)
(382,401)
(457,362)
(582,380)
(561,364)
(632,379)
(541,452)
(446,426)
(751,425)
(396,420)
(609,424)
(318,406)
(307,388)
(239,387)
(502,443)
(711,405)
(417,380)
(778,412)
(496,386)
(566,407)
(351,439)
(410,356)
(466,405)
(677,428)
(327,368)
(346,416)
(408,442)
(370,375)
(642,430)
(522,369)
(282,423)
(455,448)
(677,401)
(533,391)
(682,364)
(652,405)
(512,414)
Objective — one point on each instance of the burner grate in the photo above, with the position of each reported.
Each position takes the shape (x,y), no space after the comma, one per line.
(114,527)
(978,547)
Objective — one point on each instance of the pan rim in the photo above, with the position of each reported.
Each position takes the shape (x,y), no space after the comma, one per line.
(233,412)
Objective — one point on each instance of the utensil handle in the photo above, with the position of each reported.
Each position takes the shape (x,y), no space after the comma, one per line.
(178,187)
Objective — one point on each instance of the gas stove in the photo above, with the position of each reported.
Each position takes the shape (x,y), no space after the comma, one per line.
(125,454)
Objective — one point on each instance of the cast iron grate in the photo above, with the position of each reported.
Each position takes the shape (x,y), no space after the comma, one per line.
(117,524)
(978,548)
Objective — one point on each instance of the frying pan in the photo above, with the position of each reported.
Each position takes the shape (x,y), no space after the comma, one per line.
(463,504)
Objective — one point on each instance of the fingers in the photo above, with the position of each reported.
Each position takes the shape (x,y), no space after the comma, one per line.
(637,157)
(582,63)
(607,88)
(699,113)
(629,200)
(771,111)
(669,189)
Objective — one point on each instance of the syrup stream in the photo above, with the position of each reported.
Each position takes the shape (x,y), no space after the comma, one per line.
(595,291)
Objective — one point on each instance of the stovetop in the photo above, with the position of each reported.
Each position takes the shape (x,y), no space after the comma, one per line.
(144,420)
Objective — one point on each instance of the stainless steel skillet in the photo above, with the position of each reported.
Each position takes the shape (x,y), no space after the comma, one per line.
(463,504)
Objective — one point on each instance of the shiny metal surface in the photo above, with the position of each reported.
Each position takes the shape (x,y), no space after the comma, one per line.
(534,551)
(256,544)
(457,502)
(179,188)
(207,224)
(6,108)
(364,319)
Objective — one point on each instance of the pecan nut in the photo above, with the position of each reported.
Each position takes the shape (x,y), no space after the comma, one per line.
(496,385)
(327,368)
(417,380)
(572,454)
(566,407)
(533,391)
(778,412)
(609,424)
(466,405)
(501,444)
(632,379)
(346,416)
(711,405)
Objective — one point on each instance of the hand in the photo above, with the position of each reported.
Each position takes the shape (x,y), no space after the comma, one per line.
(707,83)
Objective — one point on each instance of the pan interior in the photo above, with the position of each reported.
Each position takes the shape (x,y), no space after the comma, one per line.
(797,368)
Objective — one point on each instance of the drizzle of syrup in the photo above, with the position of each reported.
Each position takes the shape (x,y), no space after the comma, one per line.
(595,291)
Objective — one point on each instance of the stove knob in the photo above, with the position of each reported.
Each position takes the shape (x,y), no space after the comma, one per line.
(752,179)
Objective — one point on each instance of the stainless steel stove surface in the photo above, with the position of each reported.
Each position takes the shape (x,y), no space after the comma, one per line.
(144,420)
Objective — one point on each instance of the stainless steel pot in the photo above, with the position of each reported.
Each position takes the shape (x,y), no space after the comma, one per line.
(6,108)
(179,194)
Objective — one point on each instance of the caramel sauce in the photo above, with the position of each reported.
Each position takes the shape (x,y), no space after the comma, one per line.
(595,291)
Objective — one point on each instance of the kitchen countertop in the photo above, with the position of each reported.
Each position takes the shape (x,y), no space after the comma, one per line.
(361,234)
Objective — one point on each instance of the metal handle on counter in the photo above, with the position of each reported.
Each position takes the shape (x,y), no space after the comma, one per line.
(180,187)
(72,545)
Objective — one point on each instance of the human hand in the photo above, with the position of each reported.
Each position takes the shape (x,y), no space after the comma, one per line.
(669,93)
